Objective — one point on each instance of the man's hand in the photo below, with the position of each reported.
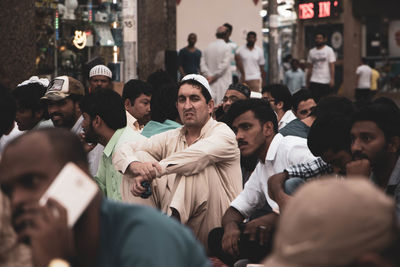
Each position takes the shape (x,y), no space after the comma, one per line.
(261,228)
(137,189)
(276,189)
(45,229)
(359,167)
(230,239)
(148,170)
(88,147)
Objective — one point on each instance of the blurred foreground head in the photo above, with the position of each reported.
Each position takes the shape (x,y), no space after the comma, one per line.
(334,222)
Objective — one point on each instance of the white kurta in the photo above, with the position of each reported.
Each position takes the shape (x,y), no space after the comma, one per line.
(215,61)
(202,179)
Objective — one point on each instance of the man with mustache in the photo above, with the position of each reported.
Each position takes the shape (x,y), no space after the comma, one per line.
(62,98)
(375,144)
(321,75)
(256,128)
(199,163)
(100,78)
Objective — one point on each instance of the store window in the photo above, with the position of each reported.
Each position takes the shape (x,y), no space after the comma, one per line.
(74,35)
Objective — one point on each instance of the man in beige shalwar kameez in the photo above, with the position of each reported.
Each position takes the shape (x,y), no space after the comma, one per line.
(201,161)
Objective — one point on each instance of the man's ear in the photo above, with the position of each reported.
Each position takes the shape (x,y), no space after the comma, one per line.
(38,114)
(279,105)
(394,144)
(97,122)
(210,105)
(268,128)
(127,104)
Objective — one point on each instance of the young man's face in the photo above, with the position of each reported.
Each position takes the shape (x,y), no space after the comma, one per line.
(193,109)
(231,96)
(304,108)
(63,113)
(27,119)
(319,40)
(268,97)
(90,135)
(337,160)
(140,109)
(249,134)
(368,142)
(99,82)
(251,40)
(192,39)
(26,174)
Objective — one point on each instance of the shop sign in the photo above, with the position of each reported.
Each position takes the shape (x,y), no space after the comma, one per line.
(319,9)
(79,39)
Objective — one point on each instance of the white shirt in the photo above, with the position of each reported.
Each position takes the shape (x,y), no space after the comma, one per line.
(364,73)
(5,139)
(216,62)
(94,156)
(320,59)
(286,118)
(252,60)
(282,153)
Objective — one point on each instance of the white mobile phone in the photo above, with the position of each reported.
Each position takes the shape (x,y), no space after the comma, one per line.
(73,189)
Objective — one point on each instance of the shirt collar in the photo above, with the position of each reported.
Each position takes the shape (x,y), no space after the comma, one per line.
(203,131)
(273,147)
(113,142)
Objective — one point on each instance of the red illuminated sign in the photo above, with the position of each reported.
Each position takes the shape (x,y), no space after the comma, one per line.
(315,9)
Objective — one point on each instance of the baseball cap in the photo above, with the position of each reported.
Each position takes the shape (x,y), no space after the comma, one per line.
(63,86)
(100,70)
(200,79)
(241,88)
(331,222)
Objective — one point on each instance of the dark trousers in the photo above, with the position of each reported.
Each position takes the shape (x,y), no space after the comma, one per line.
(250,250)
(363,94)
(320,90)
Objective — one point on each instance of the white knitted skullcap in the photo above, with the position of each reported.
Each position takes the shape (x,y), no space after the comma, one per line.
(100,70)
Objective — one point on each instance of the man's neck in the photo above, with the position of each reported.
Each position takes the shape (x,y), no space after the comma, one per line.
(87,233)
(106,136)
(192,134)
(320,47)
(250,47)
(263,150)
(309,120)
(383,172)
(280,113)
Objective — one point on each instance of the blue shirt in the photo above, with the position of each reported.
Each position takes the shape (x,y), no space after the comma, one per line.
(139,236)
(294,80)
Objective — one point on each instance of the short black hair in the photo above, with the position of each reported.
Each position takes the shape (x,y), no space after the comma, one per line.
(29,97)
(329,133)
(386,117)
(134,88)
(251,33)
(197,84)
(261,109)
(159,78)
(280,93)
(386,101)
(163,103)
(8,110)
(333,106)
(320,33)
(108,105)
(299,96)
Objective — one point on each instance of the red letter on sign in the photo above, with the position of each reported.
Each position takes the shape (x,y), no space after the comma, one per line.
(306,11)
(324,9)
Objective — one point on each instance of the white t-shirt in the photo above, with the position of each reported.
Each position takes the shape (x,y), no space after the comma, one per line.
(252,59)
(320,59)
(282,153)
(364,73)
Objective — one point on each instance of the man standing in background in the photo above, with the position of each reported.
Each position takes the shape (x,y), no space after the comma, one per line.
(215,64)
(250,61)
(364,74)
(189,57)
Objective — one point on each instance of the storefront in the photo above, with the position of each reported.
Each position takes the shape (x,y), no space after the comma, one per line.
(74,35)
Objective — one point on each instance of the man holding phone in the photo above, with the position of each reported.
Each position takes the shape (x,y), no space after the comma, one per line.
(106,234)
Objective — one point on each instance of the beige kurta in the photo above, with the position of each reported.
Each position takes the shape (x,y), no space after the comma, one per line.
(206,175)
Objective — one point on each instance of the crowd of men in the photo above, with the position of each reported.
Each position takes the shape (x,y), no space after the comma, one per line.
(302,179)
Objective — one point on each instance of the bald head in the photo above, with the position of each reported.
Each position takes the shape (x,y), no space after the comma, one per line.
(222,31)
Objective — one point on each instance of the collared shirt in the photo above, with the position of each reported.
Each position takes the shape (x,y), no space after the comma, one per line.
(294,80)
(282,153)
(309,169)
(205,178)
(107,177)
(286,118)
(393,186)
(132,122)
(94,155)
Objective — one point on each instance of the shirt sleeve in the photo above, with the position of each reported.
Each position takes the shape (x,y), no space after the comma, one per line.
(220,146)
(309,169)
(252,197)
(261,59)
(332,57)
(100,177)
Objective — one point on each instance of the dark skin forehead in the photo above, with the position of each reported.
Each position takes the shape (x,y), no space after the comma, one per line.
(31,153)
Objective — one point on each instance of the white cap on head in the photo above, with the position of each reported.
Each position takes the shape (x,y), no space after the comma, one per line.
(100,70)
(200,79)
